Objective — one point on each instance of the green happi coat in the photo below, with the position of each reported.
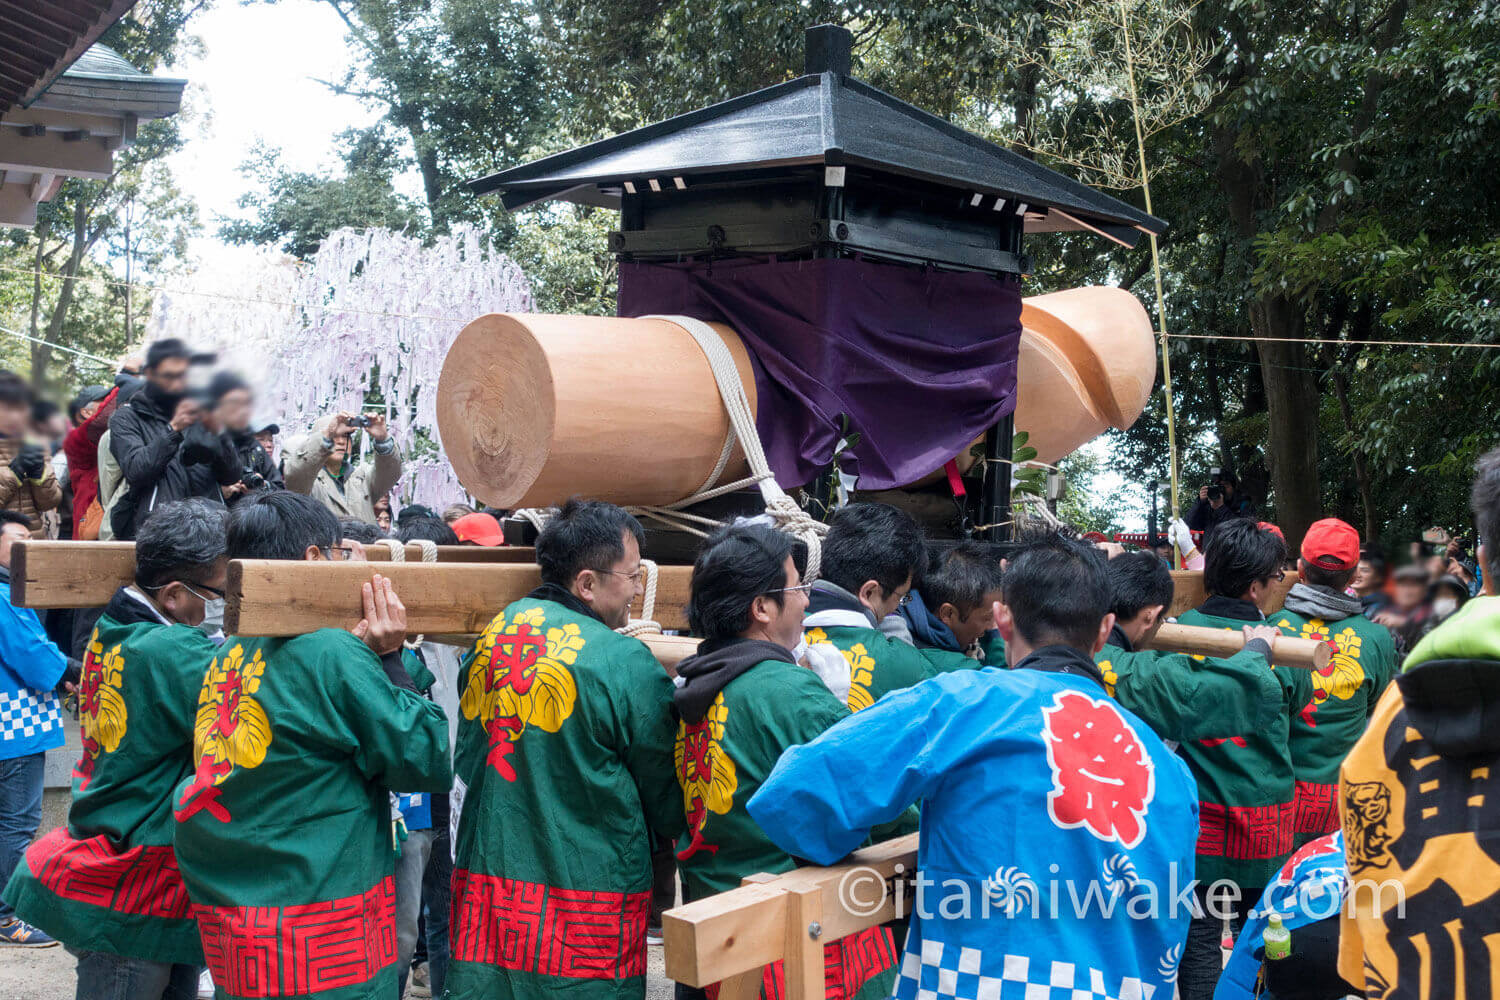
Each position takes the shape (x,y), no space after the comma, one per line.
(877,664)
(1186,698)
(284,832)
(108,881)
(1344,696)
(721,761)
(565,755)
(1245,783)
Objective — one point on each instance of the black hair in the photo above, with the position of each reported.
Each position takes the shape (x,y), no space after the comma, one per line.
(413,511)
(13,390)
(88,394)
(585,534)
(1484,500)
(1058,592)
(737,565)
(43,410)
(362,532)
(165,349)
(223,383)
(1138,580)
(1240,553)
(180,540)
(427,529)
(961,575)
(1376,558)
(280,525)
(14,517)
(873,541)
(1227,477)
(1321,576)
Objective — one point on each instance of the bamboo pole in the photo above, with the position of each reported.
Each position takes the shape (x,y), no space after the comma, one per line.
(1161,299)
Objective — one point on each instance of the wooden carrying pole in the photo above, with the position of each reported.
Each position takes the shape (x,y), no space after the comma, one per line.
(46,574)
(728,938)
(273,597)
(1286,651)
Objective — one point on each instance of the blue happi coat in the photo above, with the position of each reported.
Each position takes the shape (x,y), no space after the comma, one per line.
(1040,796)
(1310,887)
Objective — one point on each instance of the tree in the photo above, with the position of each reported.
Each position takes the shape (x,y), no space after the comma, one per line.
(295,210)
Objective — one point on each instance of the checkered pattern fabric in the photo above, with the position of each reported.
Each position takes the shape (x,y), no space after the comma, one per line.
(26,713)
(943,972)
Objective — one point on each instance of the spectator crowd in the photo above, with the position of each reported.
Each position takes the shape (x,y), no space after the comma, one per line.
(510,819)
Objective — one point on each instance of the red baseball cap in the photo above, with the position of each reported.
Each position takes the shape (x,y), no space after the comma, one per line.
(1331,544)
(479,528)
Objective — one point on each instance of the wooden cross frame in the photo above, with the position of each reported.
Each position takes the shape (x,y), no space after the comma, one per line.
(730,937)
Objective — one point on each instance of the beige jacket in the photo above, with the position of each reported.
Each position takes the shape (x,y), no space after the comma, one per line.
(112,486)
(305,472)
(32,497)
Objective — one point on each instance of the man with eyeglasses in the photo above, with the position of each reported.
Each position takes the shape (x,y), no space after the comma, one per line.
(565,770)
(745,699)
(107,884)
(856,642)
(284,831)
(1246,784)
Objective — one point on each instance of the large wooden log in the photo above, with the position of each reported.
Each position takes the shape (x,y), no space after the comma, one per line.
(533,409)
(1087,363)
(48,574)
(270,597)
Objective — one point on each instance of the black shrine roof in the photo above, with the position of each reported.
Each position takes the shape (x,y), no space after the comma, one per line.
(822,118)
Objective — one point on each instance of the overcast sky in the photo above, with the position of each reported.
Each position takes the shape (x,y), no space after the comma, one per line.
(256,79)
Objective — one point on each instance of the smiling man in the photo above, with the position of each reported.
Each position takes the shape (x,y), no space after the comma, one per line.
(565,759)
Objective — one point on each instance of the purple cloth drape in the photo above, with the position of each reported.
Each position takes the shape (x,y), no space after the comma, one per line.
(921,361)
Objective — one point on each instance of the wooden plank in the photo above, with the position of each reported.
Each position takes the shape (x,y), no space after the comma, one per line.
(270,597)
(1188,592)
(711,939)
(48,574)
(803,949)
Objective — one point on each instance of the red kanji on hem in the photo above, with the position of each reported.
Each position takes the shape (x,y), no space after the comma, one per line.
(268,951)
(1246,833)
(143,881)
(848,964)
(529,927)
(1317,809)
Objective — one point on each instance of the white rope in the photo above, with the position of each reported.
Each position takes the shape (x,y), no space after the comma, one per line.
(646,624)
(783,510)
(428,548)
(394,547)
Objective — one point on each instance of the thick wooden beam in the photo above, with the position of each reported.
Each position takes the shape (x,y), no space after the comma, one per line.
(51,153)
(268,597)
(69,574)
(1188,591)
(741,930)
(46,574)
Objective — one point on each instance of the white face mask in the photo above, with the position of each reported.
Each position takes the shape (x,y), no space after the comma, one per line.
(213,616)
(1444,606)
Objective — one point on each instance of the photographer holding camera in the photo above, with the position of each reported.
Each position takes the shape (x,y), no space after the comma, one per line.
(165,442)
(232,403)
(1219,500)
(319,465)
(27,482)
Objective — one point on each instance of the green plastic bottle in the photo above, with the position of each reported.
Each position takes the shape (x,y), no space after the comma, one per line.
(1278,939)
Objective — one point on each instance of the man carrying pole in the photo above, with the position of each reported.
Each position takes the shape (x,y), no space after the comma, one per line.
(107,884)
(565,749)
(284,834)
(743,701)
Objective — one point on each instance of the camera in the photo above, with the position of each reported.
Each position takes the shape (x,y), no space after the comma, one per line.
(253,480)
(1215,491)
(360,421)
